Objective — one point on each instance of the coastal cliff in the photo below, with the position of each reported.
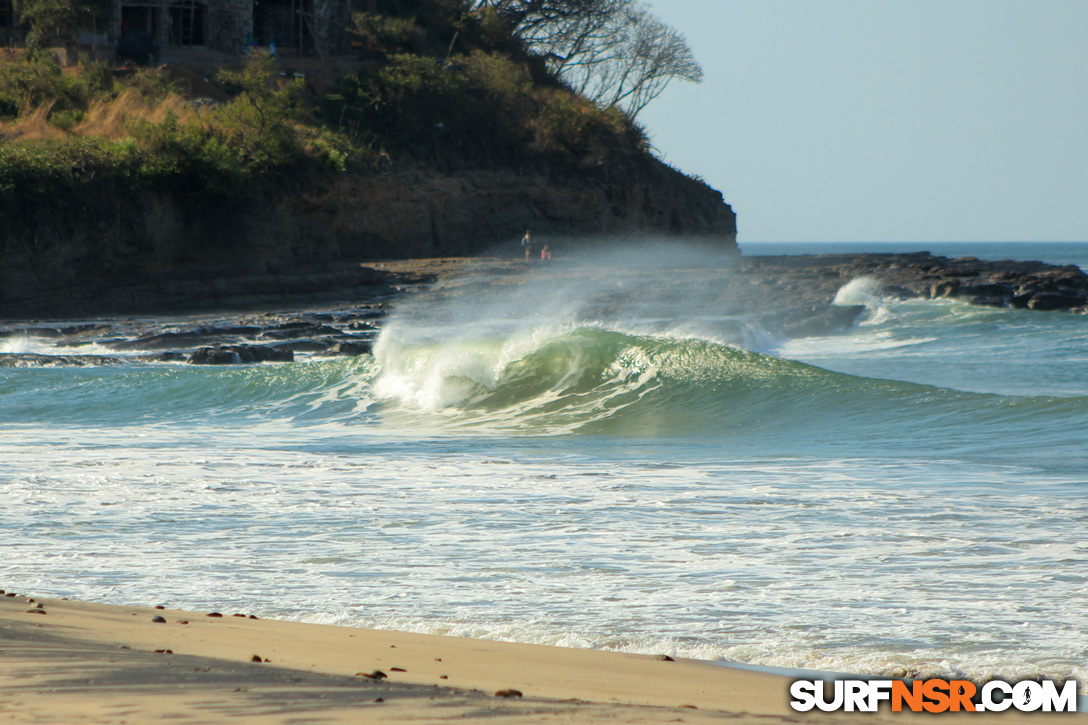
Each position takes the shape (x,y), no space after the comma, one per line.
(234,181)
(77,253)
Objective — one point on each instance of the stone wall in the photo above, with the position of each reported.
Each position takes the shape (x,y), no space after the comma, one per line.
(229,24)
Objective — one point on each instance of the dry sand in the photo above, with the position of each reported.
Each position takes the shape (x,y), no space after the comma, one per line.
(93,663)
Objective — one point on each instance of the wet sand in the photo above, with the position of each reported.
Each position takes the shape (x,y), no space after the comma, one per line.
(95,663)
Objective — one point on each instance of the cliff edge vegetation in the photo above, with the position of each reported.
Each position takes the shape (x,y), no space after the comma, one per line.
(452,130)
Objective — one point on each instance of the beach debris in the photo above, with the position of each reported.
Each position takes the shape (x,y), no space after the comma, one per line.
(184,621)
(443,677)
(375,675)
(251,617)
(31,601)
(687,707)
(159,620)
(36,611)
(663,658)
(437,659)
(9,594)
(159,606)
(214,614)
(39,605)
(164,651)
(397,669)
(508,693)
(379,699)
(255,658)
(238,615)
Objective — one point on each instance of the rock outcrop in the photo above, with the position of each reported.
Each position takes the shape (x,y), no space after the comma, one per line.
(1005,283)
(788,296)
(83,254)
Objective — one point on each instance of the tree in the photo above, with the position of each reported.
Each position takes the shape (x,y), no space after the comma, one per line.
(64,17)
(615,52)
(531,19)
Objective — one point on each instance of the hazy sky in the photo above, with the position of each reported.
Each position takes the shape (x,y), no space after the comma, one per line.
(885,120)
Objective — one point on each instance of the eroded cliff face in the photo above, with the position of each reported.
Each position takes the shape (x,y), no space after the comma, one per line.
(86,253)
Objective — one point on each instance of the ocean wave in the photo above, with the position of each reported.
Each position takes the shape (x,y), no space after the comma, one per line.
(593,380)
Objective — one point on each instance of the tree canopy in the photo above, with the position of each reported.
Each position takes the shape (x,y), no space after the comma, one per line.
(615,52)
(64,17)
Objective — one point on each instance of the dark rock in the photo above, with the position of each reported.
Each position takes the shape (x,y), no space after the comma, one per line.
(163,357)
(351,348)
(189,338)
(1054,301)
(32,360)
(997,291)
(158,620)
(294,330)
(239,354)
(288,239)
(1020,301)
(305,345)
(508,693)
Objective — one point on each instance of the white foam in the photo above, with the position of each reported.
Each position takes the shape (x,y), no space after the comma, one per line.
(837,565)
(860,291)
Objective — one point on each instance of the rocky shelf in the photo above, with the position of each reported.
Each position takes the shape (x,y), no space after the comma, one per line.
(788,295)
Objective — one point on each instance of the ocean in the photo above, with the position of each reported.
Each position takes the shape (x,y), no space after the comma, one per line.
(580,462)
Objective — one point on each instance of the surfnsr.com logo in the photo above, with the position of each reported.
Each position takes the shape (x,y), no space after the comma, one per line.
(933,695)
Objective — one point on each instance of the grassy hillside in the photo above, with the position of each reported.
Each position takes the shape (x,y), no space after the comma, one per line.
(432,89)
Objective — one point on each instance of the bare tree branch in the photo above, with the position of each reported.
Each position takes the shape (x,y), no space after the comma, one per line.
(615,52)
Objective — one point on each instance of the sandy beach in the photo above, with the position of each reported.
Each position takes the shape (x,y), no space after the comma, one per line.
(67,661)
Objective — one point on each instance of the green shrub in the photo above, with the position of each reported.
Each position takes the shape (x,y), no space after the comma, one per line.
(259,119)
(28,83)
(66,120)
(382,33)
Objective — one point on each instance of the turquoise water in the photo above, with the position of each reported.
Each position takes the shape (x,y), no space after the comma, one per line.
(562,463)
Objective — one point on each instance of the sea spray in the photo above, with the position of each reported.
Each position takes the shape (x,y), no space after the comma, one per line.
(906,497)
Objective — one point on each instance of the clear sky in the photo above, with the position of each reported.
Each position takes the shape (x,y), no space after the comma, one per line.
(885,120)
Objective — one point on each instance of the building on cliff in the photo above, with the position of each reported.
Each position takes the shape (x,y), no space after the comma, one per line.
(9,24)
(302,27)
(305,27)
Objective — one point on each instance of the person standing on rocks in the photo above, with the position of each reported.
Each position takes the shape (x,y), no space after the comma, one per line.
(527,245)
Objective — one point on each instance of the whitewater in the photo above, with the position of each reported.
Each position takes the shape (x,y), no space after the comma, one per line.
(622,457)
